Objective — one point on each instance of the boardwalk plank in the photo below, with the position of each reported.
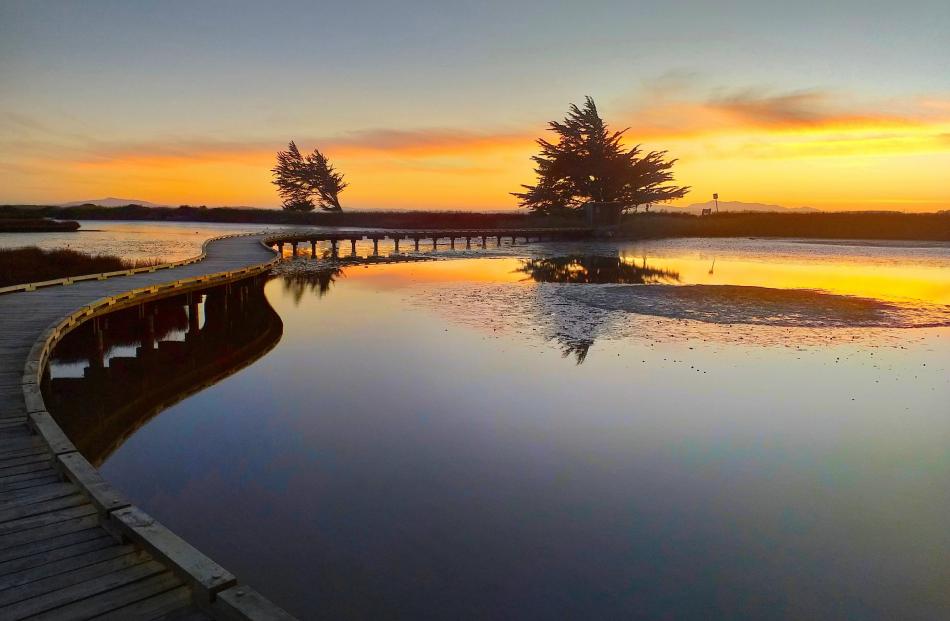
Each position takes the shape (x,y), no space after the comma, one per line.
(24,537)
(70,564)
(101,540)
(84,590)
(25,524)
(23,460)
(12,481)
(21,430)
(30,482)
(17,513)
(20,443)
(30,495)
(158,606)
(34,466)
(115,599)
(8,457)
(89,529)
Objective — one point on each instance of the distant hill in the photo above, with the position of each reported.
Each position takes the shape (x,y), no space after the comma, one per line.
(738,206)
(111,202)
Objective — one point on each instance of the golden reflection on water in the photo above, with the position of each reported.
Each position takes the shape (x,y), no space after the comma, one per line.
(843,276)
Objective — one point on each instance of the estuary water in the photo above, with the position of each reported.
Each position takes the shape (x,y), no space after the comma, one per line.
(164,241)
(677,429)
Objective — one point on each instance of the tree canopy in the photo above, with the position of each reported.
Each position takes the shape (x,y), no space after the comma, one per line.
(589,162)
(301,180)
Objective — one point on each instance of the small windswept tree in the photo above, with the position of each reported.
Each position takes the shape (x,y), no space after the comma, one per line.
(589,163)
(301,180)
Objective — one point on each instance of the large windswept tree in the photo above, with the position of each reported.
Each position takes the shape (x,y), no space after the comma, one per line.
(302,180)
(588,162)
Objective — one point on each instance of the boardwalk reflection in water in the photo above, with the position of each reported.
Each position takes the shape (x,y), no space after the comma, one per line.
(113,374)
(596,269)
(416,447)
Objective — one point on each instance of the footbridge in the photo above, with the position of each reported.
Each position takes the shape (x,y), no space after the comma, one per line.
(71,547)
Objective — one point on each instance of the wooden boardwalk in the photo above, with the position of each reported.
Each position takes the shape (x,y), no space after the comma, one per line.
(70,546)
(295,237)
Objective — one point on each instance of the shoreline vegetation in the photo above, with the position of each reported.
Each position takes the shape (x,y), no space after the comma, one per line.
(36,225)
(652,225)
(31,264)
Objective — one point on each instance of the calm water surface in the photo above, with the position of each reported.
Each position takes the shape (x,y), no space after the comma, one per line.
(533,436)
(168,241)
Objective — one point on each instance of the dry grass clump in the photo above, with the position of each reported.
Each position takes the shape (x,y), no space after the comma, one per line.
(32,264)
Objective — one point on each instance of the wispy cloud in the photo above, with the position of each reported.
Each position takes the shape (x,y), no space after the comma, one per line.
(759,122)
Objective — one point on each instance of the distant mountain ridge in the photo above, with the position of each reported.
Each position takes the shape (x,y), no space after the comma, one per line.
(739,206)
(112,201)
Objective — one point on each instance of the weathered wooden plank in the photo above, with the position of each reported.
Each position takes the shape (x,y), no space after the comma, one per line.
(24,537)
(11,481)
(22,460)
(18,513)
(17,443)
(20,497)
(54,541)
(194,567)
(9,456)
(70,564)
(25,524)
(85,591)
(21,430)
(51,432)
(154,607)
(105,497)
(101,540)
(34,466)
(116,598)
(77,575)
(30,482)
(244,603)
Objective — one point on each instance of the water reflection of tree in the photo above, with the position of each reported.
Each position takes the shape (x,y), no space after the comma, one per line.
(576,334)
(318,282)
(577,348)
(595,270)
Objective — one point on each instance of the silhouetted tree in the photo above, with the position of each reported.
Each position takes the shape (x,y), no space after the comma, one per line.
(300,179)
(588,162)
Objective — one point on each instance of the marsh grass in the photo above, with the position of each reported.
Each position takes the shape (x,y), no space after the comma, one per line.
(32,264)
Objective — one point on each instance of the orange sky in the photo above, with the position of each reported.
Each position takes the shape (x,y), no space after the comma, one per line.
(791,151)
(837,107)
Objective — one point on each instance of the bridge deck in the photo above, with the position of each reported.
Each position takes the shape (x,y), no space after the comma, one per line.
(62,554)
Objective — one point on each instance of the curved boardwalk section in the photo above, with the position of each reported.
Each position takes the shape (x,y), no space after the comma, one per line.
(70,546)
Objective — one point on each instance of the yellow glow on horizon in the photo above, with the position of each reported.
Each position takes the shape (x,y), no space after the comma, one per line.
(842,164)
(845,277)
